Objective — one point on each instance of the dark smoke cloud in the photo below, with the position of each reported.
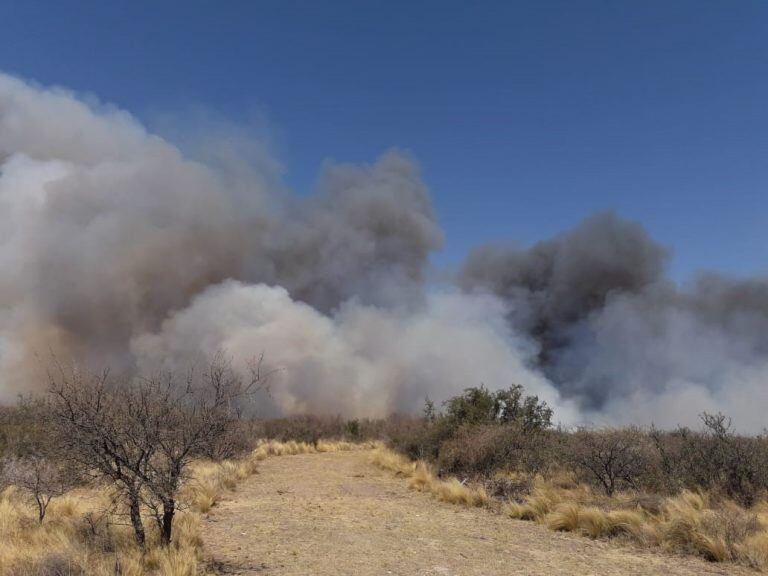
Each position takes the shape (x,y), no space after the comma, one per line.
(560,281)
(621,339)
(556,284)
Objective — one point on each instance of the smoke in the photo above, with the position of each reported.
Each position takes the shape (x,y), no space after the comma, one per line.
(367,234)
(621,340)
(560,281)
(364,360)
(119,249)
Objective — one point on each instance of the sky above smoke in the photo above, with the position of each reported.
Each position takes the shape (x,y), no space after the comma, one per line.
(119,250)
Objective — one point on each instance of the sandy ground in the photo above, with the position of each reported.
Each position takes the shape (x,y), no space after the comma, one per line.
(336,514)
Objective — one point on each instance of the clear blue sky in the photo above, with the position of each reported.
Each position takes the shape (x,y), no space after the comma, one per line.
(525,116)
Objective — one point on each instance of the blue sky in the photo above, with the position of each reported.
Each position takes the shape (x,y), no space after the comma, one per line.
(525,116)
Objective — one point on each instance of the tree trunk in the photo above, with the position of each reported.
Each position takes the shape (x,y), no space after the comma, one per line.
(169,509)
(138,526)
(41,506)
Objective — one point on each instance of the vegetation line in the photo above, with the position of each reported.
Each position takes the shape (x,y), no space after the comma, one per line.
(684,491)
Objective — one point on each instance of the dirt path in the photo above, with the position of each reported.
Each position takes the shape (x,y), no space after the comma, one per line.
(336,514)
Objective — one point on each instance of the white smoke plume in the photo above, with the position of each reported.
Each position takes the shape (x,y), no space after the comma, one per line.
(363,360)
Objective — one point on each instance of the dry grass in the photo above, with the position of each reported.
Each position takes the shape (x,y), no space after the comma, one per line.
(66,543)
(454,492)
(80,536)
(394,462)
(689,523)
(211,479)
(420,476)
(726,532)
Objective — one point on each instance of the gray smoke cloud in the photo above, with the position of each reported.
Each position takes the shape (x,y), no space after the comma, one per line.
(560,281)
(119,250)
(367,234)
(621,340)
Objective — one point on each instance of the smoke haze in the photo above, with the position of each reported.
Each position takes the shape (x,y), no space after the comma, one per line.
(119,250)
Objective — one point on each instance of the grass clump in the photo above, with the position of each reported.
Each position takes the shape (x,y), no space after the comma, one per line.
(419,476)
(80,536)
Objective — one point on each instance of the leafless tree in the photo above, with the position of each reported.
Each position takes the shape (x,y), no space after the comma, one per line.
(40,477)
(141,435)
(30,459)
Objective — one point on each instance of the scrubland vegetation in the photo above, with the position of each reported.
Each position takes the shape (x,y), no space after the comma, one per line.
(700,492)
(103,477)
(686,491)
(87,531)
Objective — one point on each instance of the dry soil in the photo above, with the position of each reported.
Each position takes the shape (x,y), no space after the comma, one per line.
(337,514)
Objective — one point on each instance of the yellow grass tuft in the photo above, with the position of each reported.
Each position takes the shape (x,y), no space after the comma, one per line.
(573,517)
(520,511)
(454,492)
(594,522)
(66,544)
(266,448)
(537,505)
(205,495)
(393,462)
(690,522)
(65,507)
(754,550)
(420,477)
(633,524)
(564,518)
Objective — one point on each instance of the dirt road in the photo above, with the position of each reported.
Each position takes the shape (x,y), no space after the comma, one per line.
(336,514)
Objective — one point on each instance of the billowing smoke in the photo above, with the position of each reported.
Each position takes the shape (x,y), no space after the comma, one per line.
(560,281)
(120,250)
(363,360)
(621,340)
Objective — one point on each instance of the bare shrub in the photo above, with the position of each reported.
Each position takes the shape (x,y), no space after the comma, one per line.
(32,461)
(312,428)
(610,458)
(303,428)
(483,449)
(238,439)
(715,458)
(417,438)
(41,478)
(141,435)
